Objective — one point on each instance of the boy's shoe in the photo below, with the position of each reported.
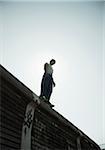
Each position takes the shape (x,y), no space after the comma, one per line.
(46,101)
(51,105)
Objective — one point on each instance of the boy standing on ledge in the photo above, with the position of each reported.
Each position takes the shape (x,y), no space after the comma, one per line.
(47,82)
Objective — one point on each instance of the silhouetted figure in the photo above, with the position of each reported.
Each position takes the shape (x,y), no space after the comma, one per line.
(47,83)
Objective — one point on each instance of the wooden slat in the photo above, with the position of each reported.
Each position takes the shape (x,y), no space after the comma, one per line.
(12,110)
(48,133)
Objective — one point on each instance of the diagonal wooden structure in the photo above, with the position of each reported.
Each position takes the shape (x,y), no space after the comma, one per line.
(28,123)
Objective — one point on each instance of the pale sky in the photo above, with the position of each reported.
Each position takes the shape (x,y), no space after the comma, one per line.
(32,33)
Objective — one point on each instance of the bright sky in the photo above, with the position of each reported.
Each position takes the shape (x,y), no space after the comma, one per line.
(32,33)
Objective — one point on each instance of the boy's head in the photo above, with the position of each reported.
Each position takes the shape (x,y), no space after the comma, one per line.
(52,62)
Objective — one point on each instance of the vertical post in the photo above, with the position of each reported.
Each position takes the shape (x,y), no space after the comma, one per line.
(78,143)
(27,125)
(68,147)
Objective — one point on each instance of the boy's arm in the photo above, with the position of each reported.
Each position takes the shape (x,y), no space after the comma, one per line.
(54,83)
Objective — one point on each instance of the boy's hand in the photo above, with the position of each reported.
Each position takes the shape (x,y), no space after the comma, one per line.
(54,84)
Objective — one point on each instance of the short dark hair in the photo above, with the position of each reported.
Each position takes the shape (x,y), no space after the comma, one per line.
(53,60)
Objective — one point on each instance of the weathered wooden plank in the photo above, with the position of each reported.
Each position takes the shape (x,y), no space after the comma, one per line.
(11,102)
(11,127)
(8,144)
(8,131)
(10,137)
(8,147)
(11,94)
(6,114)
